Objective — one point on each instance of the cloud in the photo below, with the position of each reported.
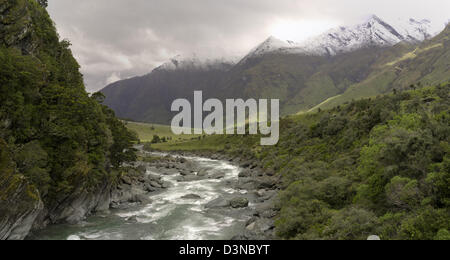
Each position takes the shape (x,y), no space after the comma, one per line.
(129,38)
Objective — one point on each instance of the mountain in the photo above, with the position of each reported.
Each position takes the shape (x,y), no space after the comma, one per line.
(373,32)
(428,63)
(149,98)
(271,44)
(193,62)
(59,148)
(301,75)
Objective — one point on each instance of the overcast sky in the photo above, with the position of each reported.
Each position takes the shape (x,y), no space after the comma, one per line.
(117,39)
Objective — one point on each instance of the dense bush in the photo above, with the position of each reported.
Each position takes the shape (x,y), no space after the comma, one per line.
(372,167)
(61,138)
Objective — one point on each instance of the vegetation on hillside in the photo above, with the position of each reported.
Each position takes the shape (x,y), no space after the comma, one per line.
(58,137)
(148,132)
(423,65)
(374,166)
(301,82)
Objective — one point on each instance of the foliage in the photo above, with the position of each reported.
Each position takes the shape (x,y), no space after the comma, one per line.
(61,138)
(371,167)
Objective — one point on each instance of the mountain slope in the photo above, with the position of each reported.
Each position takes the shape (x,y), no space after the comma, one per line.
(373,32)
(149,98)
(300,76)
(56,142)
(377,166)
(427,64)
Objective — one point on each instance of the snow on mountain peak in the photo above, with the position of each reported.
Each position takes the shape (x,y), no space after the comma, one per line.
(271,44)
(194,62)
(374,31)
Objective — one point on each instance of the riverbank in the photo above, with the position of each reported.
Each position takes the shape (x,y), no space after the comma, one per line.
(261,188)
(181,196)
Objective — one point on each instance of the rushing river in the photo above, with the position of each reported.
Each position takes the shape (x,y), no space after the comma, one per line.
(168,217)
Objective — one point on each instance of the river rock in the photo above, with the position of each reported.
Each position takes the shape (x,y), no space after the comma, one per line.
(251,227)
(217,203)
(202,173)
(140,198)
(239,203)
(132,219)
(246,164)
(186,173)
(73,237)
(266,183)
(373,238)
(245,173)
(149,188)
(191,197)
(182,160)
(126,180)
(219,175)
(155,184)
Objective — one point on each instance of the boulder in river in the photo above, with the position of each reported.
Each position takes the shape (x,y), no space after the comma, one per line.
(219,175)
(186,173)
(140,198)
(155,184)
(202,173)
(239,203)
(217,203)
(191,197)
(245,173)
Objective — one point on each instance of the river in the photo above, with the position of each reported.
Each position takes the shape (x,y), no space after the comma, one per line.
(168,217)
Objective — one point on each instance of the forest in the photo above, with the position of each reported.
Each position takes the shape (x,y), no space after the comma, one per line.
(371,166)
(52,133)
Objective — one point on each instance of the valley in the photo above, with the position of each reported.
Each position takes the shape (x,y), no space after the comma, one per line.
(201,199)
(363,149)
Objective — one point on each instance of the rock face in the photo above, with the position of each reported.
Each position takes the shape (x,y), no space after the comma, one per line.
(20,32)
(75,207)
(31,196)
(19,209)
(22,210)
(132,188)
(20,203)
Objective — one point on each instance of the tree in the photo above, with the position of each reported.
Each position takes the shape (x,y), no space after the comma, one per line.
(352,224)
(156,139)
(99,97)
(43,3)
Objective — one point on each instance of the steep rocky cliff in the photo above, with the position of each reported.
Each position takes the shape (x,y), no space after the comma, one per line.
(20,202)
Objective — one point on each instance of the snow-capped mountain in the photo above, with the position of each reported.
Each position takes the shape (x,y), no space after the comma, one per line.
(373,32)
(193,62)
(272,44)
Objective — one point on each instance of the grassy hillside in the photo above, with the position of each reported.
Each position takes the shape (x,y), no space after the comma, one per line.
(374,166)
(146,132)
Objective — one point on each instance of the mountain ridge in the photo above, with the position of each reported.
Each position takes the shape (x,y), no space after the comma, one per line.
(301,80)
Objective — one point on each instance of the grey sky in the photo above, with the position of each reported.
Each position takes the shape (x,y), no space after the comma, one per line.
(116,39)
